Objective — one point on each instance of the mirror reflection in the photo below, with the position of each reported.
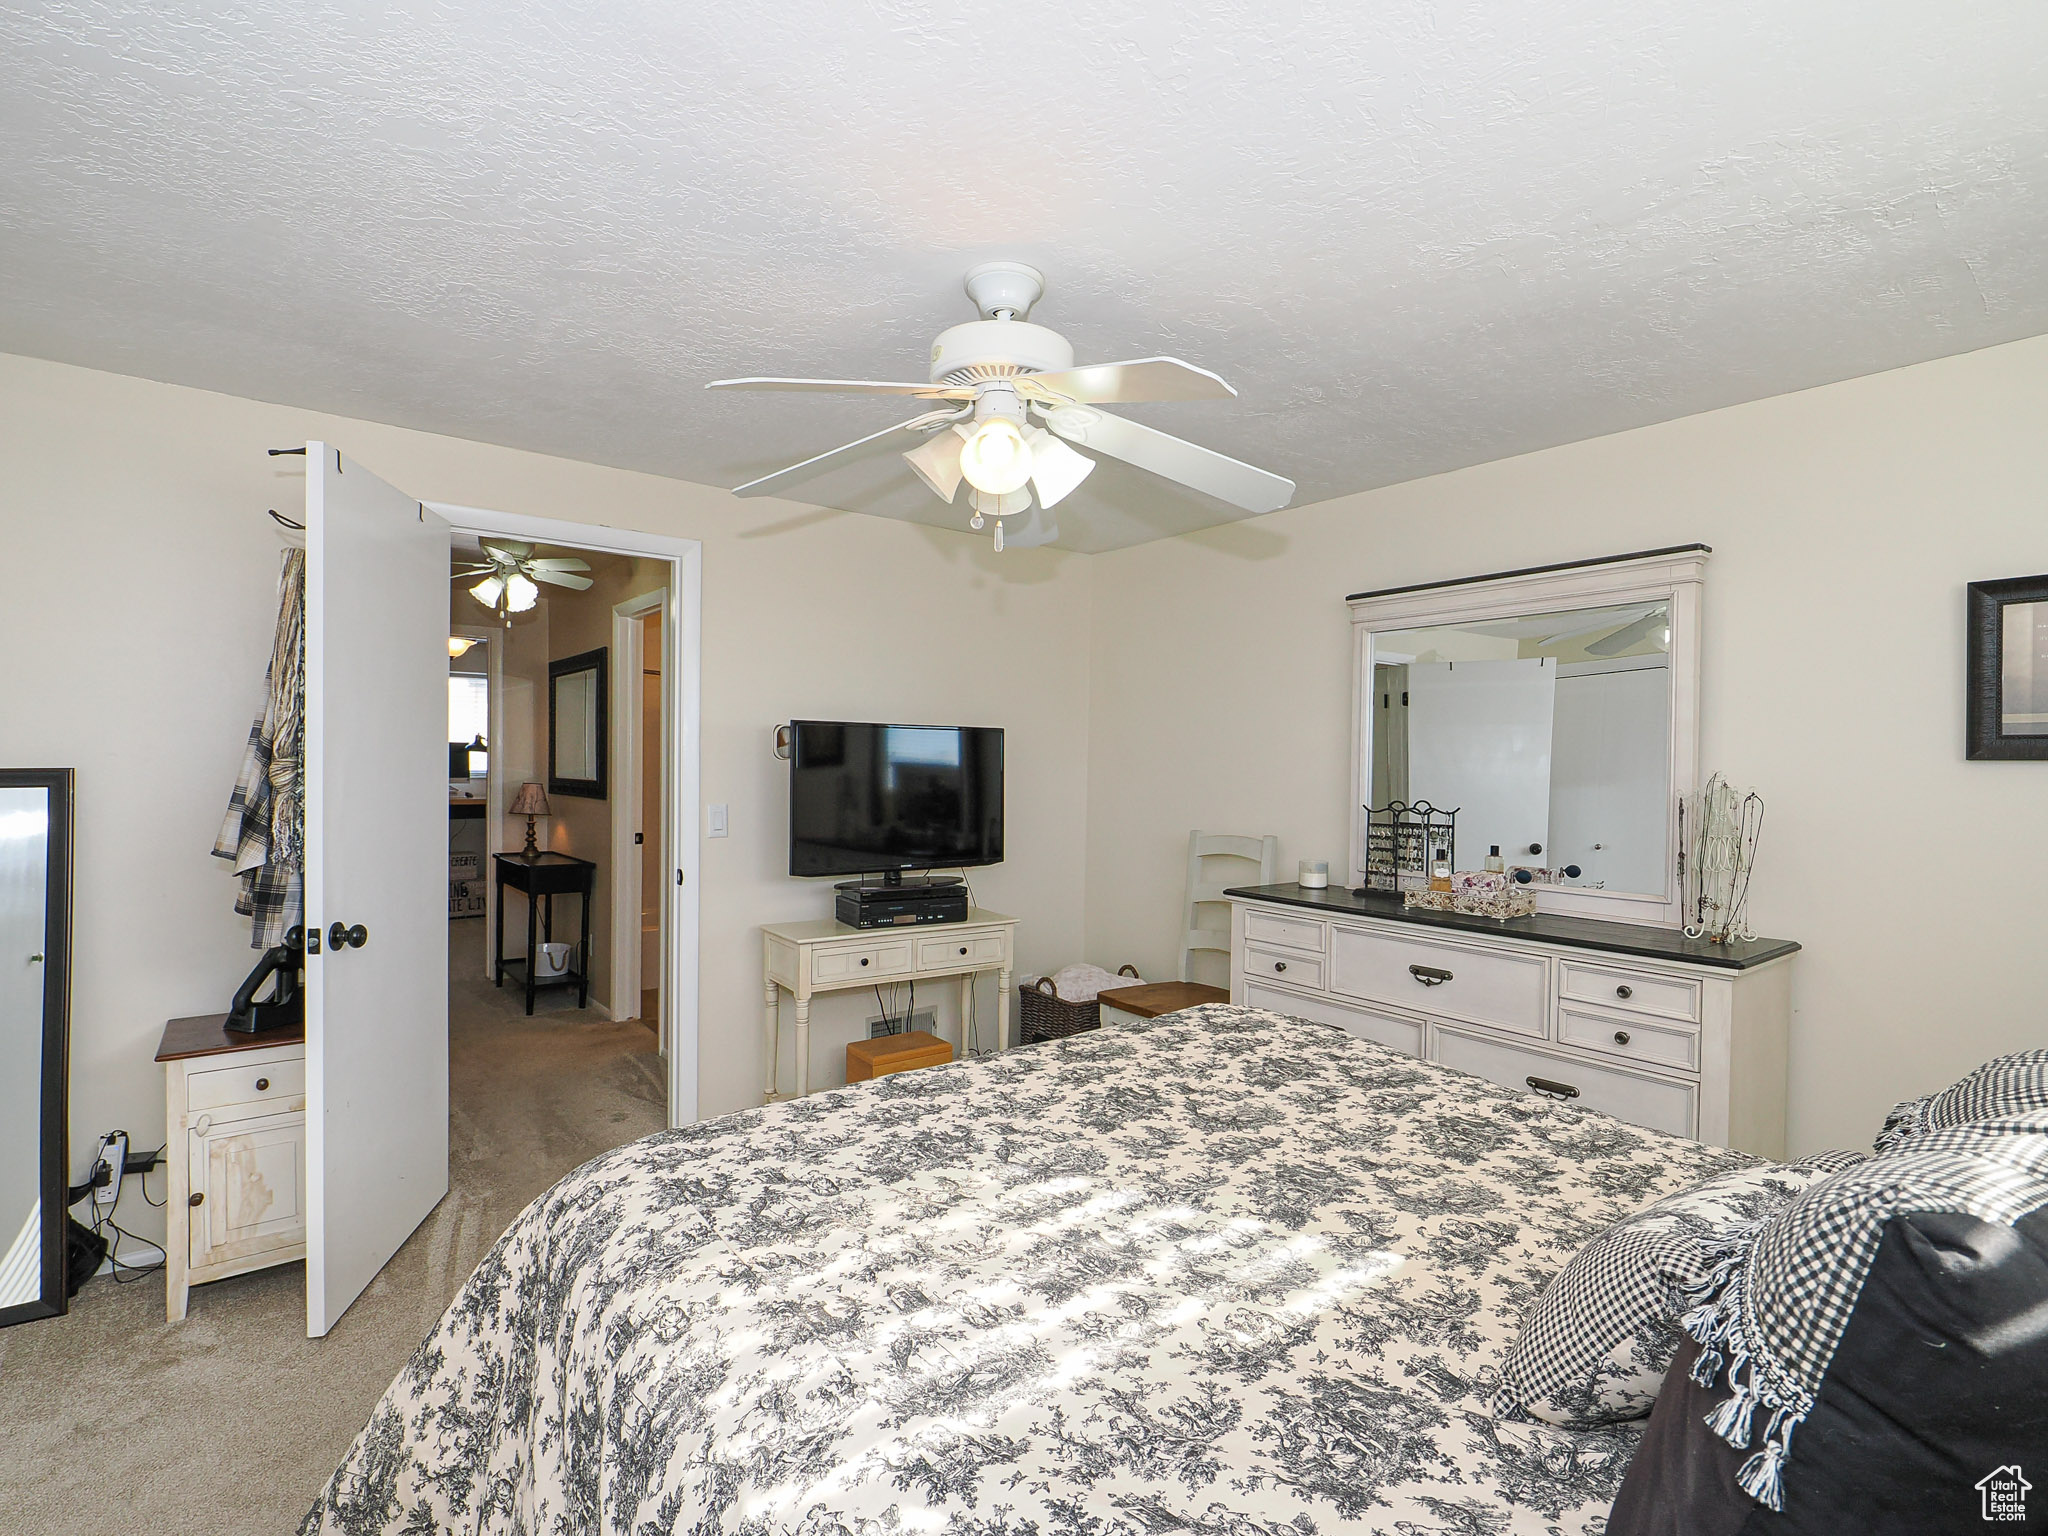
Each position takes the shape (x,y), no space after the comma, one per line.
(2023,664)
(1549,735)
(24,878)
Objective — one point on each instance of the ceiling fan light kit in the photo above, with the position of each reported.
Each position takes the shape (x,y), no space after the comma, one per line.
(511,573)
(996,373)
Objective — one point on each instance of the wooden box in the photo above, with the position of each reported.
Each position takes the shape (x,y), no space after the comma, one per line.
(868,1059)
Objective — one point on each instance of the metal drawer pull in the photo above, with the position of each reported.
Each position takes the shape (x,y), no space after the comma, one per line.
(1552,1090)
(863,959)
(1624,991)
(1429,975)
(197,1197)
(262,1083)
(1279,965)
(963,949)
(1621,1037)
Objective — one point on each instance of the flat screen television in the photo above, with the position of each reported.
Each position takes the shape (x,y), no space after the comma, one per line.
(880,799)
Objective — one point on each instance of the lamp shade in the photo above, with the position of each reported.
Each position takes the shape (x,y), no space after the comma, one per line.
(531,800)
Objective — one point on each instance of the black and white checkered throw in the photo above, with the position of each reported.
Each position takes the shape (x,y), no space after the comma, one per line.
(1779,1298)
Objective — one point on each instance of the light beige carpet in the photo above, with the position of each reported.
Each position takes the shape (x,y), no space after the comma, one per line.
(116,1423)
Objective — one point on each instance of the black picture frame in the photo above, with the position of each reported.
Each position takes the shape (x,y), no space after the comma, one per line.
(1985,738)
(54,1173)
(597,662)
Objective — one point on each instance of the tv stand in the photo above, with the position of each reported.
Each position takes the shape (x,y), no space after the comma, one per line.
(804,959)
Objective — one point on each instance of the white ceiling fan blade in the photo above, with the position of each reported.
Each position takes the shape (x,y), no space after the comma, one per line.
(1142,378)
(847,387)
(558,565)
(769,485)
(471,570)
(560,579)
(1623,638)
(505,551)
(1605,621)
(1203,469)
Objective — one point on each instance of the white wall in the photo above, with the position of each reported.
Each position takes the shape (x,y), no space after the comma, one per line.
(1845,522)
(136,620)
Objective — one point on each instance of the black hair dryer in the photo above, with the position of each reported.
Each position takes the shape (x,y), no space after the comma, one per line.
(285,1008)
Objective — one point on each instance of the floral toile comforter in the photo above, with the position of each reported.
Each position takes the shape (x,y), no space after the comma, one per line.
(1226,1272)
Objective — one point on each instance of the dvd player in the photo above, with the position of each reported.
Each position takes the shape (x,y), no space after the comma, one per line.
(901,906)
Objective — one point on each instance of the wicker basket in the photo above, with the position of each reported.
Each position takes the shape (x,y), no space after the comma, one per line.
(1042,1014)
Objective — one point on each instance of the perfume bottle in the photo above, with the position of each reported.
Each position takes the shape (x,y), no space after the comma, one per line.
(1494,864)
(1440,870)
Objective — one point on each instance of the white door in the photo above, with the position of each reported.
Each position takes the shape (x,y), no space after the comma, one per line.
(376,855)
(1479,744)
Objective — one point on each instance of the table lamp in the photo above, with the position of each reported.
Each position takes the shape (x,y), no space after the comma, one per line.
(531,801)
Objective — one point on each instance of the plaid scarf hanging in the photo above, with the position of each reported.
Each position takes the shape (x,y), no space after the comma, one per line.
(263,833)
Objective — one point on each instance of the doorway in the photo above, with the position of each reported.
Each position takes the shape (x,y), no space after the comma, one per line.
(376,850)
(649,944)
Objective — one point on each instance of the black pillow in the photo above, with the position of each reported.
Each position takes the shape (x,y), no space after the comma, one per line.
(1933,1410)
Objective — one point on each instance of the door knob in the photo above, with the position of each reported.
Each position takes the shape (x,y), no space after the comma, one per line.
(339,936)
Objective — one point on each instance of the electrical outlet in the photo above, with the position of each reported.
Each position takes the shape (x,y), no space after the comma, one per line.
(925,1019)
(113,1156)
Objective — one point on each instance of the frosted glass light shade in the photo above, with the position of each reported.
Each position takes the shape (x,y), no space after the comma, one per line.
(520,594)
(996,458)
(1055,468)
(488,590)
(936,462)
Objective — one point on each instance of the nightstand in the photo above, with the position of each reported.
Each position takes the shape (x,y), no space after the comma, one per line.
(235,1143)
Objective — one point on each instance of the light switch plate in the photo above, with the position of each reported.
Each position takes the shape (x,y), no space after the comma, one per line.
(718,821)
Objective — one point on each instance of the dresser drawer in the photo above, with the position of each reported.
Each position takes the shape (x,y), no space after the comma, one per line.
(1497,987)
(279,1085)
(939,954)
(1653,1042)
(861,960)
(1403,1035)
(1288,932)
(1297,970)
(1636,1097)
(1614,986)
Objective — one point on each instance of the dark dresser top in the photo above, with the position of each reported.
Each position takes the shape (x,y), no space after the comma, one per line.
(1544,928)
(208,1035)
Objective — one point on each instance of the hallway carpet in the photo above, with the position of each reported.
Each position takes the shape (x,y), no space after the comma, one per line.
(116,1423)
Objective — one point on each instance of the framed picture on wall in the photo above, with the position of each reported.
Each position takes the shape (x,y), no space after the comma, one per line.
(2008,668)
(578,732)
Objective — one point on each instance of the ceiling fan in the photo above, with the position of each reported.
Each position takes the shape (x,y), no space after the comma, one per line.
(510,573)
(990,378)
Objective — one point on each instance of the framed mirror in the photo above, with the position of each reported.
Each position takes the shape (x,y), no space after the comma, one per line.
(578,733)
(35,1030)
(2008,669)
(1554,710)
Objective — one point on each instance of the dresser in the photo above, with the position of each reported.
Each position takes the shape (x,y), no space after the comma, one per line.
(804,959)
(1639,1022)
(235,1143)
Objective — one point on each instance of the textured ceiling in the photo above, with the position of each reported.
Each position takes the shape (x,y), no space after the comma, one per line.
(1414,235)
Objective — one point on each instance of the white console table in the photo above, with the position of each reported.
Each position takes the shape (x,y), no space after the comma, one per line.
(804,959)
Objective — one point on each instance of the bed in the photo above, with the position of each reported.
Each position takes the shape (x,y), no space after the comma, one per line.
(1225,1272)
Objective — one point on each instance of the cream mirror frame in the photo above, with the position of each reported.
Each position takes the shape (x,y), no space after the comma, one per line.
(1675,577)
